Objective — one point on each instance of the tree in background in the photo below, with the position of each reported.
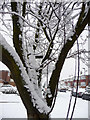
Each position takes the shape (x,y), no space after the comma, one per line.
(43,34)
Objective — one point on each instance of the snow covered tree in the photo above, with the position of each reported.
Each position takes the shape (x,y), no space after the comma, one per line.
(43,33)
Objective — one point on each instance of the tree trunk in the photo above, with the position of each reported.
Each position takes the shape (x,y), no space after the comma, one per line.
(37,117)
(32,116)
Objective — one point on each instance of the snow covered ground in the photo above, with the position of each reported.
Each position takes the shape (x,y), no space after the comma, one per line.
(11,106)
(62,103)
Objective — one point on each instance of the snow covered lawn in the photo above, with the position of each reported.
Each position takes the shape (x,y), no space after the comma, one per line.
(12,107)
(62,103)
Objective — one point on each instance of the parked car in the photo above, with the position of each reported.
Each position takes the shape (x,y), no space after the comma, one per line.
(62,90)
(79,94)
(69,89)
(86,94)
(8,89)
(87,89)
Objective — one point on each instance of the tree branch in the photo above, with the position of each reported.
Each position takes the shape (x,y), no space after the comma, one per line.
(14,13)
(11,59)
(81,23)
(26,89)
(18,38)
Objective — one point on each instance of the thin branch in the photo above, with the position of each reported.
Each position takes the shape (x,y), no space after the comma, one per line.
(81,23)
(76,52)
(14,13)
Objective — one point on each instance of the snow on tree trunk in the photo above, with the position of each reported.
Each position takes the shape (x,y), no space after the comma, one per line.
(37,102)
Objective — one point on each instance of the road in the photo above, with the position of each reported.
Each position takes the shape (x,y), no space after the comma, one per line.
(11,106)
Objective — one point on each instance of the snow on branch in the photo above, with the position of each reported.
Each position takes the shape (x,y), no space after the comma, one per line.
(14,13)
(38,102)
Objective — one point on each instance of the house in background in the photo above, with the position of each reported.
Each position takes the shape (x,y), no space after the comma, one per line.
(5,77)
(84,81)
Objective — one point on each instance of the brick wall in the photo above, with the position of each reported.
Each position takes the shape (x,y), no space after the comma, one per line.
(4,76)
(84,80)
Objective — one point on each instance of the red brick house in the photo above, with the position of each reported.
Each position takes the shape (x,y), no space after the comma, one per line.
(5,77)
(84,81)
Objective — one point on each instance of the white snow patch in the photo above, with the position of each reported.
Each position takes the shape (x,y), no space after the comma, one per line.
(70,35)
(61,107)
(17,109)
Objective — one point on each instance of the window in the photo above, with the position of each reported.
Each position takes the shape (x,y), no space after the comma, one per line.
(83,77)
(89,84)
(69,84)
(75,83)
(83,84)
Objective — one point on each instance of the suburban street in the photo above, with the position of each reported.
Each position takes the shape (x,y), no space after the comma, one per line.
(11,106)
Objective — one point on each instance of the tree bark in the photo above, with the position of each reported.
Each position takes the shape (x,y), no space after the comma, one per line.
(11,62)
(37,117)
